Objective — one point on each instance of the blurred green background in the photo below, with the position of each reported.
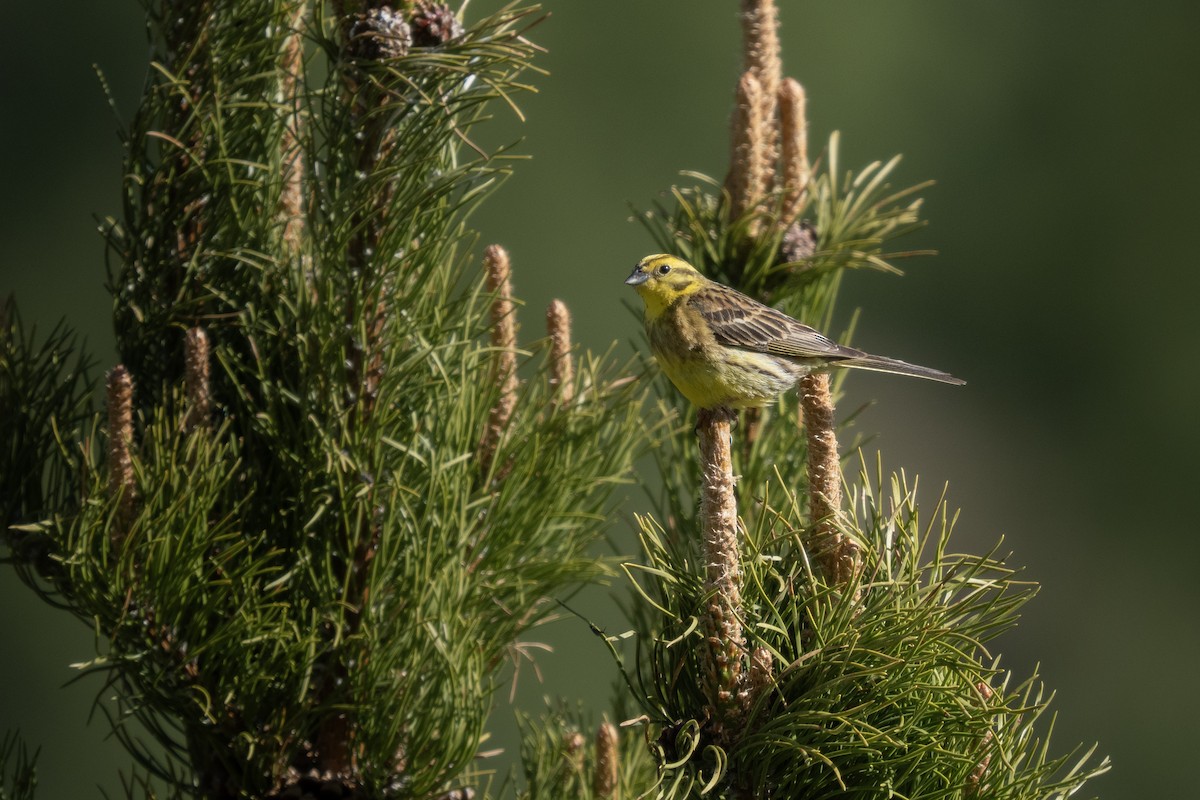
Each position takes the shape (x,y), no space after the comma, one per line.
(1062,137)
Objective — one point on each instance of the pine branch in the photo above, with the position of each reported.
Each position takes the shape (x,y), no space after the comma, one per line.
(121,487)
(726,642)
(793,157)
(747,182)
(761,59)
(860,642)
(606,782)
(882,690)
(314,589)
(558,760)
(498,274)
(291,200)
(335,490)
(46,393)
(196,359)
(562,368)
(837,552)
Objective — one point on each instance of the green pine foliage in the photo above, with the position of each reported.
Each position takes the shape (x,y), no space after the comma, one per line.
(310,588)
(18,769)
(319,583)
(198,239)
(559,759)
(44,387)
(853,219)
(895,696)
(885,688)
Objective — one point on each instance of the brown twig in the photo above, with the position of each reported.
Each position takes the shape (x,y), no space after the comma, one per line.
(196,379)
(837,553)
(562,370)
(291,200)
(121,485)
(794,167)
(605,783)
(761,58)
(719,537)
(749,160)
(498,274)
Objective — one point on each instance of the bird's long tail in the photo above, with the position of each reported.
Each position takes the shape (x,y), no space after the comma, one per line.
(884,364)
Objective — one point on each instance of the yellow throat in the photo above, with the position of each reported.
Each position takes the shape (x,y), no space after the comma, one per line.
(662,280)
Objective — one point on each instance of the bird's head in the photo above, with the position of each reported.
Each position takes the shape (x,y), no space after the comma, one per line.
(662,279)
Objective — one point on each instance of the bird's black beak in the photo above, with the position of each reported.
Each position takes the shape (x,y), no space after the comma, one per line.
(637,276)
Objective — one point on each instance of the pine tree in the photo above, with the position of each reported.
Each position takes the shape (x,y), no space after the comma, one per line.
(798,636)
(331,486)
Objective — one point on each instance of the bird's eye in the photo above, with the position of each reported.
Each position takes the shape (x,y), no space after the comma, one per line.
(664,269)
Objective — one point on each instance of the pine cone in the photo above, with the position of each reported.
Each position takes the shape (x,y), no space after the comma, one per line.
(799,242)
(433,24)
(378,34)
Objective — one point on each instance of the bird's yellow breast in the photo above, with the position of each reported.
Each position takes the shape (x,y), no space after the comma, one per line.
(707,373)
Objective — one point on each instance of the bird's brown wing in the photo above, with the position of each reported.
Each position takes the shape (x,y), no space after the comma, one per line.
(738,321)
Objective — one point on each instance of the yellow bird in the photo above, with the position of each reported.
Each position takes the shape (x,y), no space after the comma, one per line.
(721,348)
